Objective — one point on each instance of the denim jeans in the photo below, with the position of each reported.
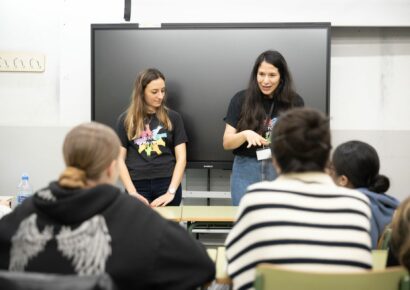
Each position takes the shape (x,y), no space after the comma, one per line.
(153,188)
(246,171)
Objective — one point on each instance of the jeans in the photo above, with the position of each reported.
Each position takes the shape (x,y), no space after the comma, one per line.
(246,171)
(153,188)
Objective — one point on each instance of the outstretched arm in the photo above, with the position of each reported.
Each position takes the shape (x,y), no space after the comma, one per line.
(233,139)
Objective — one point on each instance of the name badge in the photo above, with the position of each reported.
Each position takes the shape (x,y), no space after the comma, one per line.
(264,153)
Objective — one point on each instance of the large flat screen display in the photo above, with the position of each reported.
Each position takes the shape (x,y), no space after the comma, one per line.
(204,66)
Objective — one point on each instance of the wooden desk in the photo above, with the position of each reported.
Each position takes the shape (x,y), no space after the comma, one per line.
(208,219)
(209,213)
(170,212)
(212,254)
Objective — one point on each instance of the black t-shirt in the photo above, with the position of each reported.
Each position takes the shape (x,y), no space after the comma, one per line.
(234,112)
(152,155)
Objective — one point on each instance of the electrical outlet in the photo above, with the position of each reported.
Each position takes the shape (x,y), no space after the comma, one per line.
(21,62)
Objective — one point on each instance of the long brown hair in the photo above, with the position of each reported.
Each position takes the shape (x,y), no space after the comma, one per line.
(88,150)
(137,110)
(400,240)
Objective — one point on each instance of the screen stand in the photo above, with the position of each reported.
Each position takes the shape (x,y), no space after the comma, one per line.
(208,186)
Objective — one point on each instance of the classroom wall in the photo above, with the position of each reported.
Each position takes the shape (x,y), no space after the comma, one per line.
(370,68)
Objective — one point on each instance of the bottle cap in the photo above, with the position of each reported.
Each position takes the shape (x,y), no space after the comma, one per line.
(24,176)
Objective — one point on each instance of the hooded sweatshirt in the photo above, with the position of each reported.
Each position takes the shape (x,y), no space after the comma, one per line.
(383,207)
(101,230)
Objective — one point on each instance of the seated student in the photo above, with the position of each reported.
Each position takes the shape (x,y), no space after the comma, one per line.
(400,239)
(82,224)
(355,164)
(301,220)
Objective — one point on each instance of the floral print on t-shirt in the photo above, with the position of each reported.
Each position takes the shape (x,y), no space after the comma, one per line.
(269,127)
(150,140)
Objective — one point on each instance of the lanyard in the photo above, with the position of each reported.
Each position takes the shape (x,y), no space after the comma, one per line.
(272,107)
(268,117)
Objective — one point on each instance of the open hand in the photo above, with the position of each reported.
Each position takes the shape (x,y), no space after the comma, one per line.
(163,200)
(254,139)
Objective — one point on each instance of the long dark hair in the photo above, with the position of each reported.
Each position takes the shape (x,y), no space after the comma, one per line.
(359,162)
(253,114)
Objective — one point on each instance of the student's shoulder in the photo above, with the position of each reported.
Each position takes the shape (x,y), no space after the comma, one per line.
(354,193)
(262,188)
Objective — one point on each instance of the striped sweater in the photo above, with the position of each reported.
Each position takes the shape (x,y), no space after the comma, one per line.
(301,221)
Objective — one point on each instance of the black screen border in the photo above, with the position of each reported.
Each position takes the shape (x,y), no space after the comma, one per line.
(211,164)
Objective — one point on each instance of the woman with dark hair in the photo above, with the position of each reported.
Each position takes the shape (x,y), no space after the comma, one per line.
(250,118)
(301,220)
(355,164)
(153,152)
(82,224)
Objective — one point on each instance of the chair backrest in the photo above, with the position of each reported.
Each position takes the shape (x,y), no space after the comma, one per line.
(276,278)
(36,281)
(379,259)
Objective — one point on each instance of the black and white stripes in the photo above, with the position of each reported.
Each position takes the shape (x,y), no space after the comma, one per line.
(301,221)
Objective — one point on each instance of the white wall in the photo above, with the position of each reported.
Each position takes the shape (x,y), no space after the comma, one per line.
(370,91)
(339,12)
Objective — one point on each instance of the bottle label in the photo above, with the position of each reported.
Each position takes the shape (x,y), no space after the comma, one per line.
(21,198)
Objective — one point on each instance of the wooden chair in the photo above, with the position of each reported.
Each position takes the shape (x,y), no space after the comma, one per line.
(271,277)
(37,281)
(379,258)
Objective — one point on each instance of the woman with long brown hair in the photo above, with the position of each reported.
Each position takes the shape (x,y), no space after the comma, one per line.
(153,152)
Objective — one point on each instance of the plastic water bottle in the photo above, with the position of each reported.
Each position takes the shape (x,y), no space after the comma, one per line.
(23,189)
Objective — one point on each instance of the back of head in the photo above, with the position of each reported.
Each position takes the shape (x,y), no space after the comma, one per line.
(88,150)
(400,240)
(359,162)
(301,141)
